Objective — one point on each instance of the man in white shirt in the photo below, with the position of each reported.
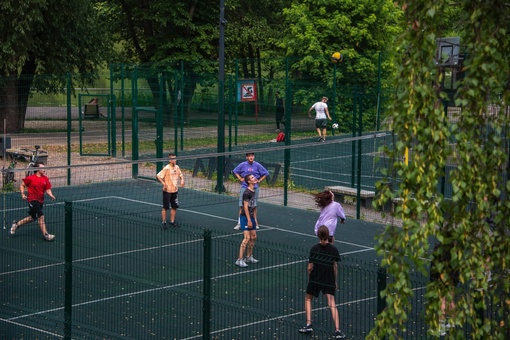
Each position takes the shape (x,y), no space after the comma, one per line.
(321,117)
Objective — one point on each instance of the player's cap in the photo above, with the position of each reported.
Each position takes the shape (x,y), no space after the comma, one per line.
(250,153)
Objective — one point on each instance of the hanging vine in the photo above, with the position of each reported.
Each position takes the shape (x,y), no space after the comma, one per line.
(471,226)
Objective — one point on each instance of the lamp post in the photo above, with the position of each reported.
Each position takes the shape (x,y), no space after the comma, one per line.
(221,100)
(335,59)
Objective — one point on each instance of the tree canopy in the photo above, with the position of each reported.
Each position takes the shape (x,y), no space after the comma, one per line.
(45,37)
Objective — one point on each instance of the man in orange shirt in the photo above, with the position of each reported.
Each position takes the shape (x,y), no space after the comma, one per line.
(169,176)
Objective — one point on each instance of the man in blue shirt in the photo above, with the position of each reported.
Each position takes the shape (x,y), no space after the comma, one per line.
(249,167)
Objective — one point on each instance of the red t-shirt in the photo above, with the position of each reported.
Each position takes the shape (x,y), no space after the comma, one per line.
(37,186)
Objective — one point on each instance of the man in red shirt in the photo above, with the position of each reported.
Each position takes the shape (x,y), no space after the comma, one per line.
(37,185)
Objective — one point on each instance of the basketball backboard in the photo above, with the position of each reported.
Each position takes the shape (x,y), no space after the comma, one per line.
(448,52)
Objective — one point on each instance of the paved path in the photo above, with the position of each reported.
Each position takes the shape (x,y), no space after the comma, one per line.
(54,118)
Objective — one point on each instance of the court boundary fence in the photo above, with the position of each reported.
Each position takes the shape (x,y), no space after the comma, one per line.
(225,313)
(192,289)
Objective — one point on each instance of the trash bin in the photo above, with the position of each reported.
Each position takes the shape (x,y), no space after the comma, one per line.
(43,156)
(5,143)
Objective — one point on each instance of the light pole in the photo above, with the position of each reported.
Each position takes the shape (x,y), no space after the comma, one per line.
(221,99)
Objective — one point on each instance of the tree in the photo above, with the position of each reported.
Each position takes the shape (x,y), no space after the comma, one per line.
(161,37)
(360,30)
(45,38)
(158,36)
(253,32)
(475,145)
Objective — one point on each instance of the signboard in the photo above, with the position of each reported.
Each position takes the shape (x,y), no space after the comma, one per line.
(247,90)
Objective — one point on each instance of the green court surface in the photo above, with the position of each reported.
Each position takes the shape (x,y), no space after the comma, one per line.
(131,279)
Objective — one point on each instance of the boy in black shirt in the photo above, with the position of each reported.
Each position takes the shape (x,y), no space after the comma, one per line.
(322,276)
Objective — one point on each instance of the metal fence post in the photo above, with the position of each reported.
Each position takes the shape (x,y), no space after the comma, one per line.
(381,285)
(206,307)
(68,271)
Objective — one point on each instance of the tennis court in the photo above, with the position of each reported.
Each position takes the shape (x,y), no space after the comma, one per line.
(131,279)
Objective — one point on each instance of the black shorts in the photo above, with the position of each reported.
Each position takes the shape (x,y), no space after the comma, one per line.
(321,123)
(170,200)
(314,288)
(35,209)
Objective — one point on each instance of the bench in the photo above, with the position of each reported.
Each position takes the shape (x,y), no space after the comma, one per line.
(25,154)
(340,192)
(229,166)
(91,111)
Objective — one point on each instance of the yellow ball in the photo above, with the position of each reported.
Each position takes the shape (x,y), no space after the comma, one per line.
(337,57)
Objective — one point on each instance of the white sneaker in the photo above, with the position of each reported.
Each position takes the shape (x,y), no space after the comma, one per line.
(237,227)
(257,227)
(49,237)
(442,328)
(241,263)
(13,228)
(250,259)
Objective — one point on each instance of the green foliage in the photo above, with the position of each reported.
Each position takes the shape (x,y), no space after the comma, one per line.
(424,132)
(357,29)
(9,187)
(46,37)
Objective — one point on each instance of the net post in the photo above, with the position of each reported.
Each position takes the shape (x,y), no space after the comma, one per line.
(134,119)
(159,121)
(206,307)
(69,124)
(358,173)
(112,115)
(381,285)
(68,271)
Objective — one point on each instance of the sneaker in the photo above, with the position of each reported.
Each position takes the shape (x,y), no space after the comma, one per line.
(323,139)
(241,263)
(237,227)
(489,276)
(163,225)
(49,237)
(306,329)
(319,139)
(442,328)
(251,259)
(173,225)
(339,335)
(14,227)
(257,227)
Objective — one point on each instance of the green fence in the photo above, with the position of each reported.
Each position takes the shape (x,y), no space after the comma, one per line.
(115,277)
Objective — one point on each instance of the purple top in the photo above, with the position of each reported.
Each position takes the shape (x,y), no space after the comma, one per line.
(329,217)
(255,169)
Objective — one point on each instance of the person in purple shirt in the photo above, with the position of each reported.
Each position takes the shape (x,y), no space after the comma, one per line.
(330,212)
(249,167)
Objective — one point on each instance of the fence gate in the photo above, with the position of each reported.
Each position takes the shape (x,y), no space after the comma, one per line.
(97,125)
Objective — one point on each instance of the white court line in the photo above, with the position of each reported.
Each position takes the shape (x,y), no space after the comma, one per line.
(266,227)
(30,327)
(60,203)
(163,288)
(170,245)
(290,315)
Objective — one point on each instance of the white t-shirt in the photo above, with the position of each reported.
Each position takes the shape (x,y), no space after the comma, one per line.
(320,110)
